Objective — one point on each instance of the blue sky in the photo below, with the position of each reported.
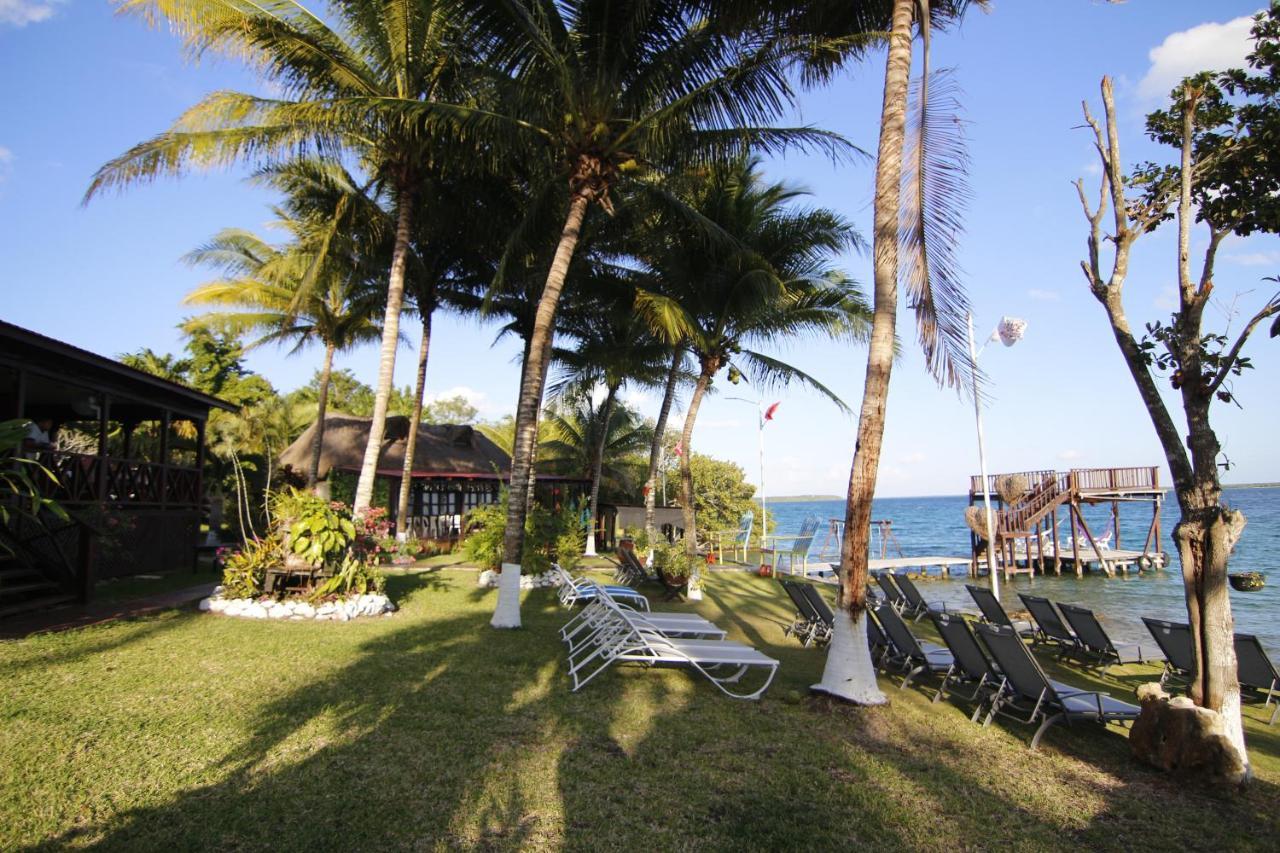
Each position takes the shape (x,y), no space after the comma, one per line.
(79,85)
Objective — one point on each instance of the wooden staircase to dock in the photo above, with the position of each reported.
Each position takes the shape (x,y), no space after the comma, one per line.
(1024,519)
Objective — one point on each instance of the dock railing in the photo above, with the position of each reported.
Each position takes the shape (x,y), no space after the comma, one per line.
(1083,480)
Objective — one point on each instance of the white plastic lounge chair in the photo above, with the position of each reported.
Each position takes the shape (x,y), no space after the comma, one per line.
(580,590)
(591,619)
(619,639)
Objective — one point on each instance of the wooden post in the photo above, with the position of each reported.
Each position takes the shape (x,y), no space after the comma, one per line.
(1057,550)
(165,423)
(104,414)
(1155,482)
(21,396)
(1115,521)
(1106,567)
(1075,540)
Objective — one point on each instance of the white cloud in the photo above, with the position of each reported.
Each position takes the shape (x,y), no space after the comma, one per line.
(1167,299)
(712,423)
(6,158)
(1091,168)
(914,458)
(1205,47)
(479,399)
(1043,295)
(1254,259)
(19,13)
(1070,455)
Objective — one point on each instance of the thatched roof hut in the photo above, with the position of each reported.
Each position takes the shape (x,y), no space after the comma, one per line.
(451,451)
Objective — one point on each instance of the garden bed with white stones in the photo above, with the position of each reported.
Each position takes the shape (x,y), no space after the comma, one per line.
(489,578)
(297,609)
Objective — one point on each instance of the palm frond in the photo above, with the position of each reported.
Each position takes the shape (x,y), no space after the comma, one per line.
(936,191)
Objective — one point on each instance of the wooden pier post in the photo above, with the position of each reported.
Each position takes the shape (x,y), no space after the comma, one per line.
(1106,567)
(1075,540)
(1057,550)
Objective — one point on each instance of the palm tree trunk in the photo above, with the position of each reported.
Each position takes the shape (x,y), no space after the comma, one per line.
(848,673)
(655,449)
(710,365)
(533,379)
(390,341)
(597,465)
(322,405)
(411,443)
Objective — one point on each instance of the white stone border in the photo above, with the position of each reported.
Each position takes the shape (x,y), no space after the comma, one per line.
(489,579)
(296,609)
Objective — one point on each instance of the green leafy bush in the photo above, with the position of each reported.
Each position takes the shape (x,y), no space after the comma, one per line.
(670,559)
(547,536)
(353,575)
(244,573)
(320,532)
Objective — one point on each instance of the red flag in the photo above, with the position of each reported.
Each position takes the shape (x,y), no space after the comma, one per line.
(679,450)
(768,413)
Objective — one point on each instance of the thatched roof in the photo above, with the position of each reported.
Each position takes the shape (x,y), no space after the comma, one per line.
(442,450)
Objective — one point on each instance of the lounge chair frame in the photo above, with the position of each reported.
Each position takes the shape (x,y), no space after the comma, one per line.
(619,639)
(1025,688)
(916,656)
(1256,672)
(1174,640)
(994,613)
(1095,643)
(1049,626)
(971,664)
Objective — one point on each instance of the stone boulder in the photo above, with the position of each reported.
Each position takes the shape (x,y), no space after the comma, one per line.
(1177,736)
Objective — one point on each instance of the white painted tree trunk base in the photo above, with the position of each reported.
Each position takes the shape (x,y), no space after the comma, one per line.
(507,613)
(694,593)
(848,673)
(591,545)
(1233,722)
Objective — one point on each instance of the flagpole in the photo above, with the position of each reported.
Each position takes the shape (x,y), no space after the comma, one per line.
(764,512)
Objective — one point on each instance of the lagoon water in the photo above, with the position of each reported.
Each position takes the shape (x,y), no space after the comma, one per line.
(935,526)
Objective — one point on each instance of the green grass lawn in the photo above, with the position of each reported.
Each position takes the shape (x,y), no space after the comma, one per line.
(427,729)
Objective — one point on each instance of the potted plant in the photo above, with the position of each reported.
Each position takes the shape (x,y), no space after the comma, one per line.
(672,565)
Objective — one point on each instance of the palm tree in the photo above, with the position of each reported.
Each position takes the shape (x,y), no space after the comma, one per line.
(675,372)
(775,280)
(264,293)
(577,430)
(614,90)
(935,180)
(364,86)
(615,348)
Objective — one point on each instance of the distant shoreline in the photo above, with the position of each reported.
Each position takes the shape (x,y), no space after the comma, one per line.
(795,499)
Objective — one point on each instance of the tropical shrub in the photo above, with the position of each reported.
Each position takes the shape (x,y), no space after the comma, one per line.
(322,533)
(19,494)
(547,536)
(353,575)
(245,571)
(570,536)
(671,561)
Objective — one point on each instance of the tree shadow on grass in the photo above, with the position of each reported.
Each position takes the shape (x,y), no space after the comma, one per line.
(437,731)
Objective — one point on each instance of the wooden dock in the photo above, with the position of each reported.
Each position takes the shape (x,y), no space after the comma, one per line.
(1026,523)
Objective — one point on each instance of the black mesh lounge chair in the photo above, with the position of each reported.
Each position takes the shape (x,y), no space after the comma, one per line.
(1049,625)
(802,626)
(825,618)
(1027,690)
(891,592)
(914,655)
(631,570)
(1174,640)
(993,611)
(1256,671)
(876,640)
(916,605)
(971,665)
(1095,643)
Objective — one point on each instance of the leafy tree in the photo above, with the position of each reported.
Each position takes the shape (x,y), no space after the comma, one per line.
(347,394)
(721,492)
(1224,127)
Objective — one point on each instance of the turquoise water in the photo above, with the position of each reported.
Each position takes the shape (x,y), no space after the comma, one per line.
(935,526)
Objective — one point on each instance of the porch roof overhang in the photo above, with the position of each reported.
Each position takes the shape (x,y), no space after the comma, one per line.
(460,475)
(134,394)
